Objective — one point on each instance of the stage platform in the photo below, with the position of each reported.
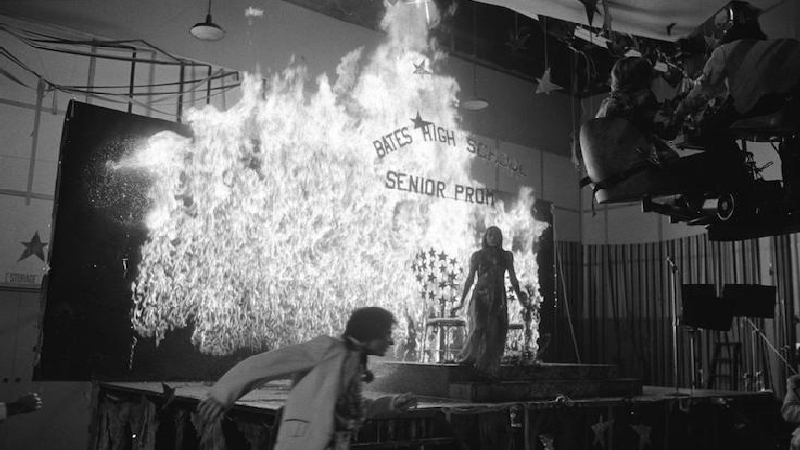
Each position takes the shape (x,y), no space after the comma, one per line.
(160,415)
(519,382)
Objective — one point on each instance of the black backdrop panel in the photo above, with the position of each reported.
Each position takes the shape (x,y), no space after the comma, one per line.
(703,309)
(98,231)
(751,300)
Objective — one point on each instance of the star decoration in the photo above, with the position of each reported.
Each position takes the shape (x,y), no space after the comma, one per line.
(606,17)
(33,247)
(599,430)
(419,122)
(517,40)
(591,8)
(435,272)
(644,434)
(419,69)
(547,441)
(546,86)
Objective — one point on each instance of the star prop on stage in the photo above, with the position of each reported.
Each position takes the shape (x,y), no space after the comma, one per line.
(599,430)
(437,273)
(644,434)
(419,122)
(546,86)
(33,247)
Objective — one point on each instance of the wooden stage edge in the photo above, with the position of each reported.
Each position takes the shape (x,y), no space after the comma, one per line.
(652,418)
(271,396)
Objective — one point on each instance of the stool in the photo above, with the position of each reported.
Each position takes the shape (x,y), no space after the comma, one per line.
(443,327)
(514,327)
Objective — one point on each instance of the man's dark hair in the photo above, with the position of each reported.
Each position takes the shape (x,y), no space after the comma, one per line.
(372,322)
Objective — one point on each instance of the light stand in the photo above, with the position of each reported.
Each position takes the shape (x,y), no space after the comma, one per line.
(673,269)
(692,331)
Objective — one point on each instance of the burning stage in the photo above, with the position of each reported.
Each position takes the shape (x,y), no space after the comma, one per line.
(541,406)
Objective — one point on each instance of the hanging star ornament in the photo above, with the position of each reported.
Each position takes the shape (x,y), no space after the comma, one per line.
(33,247)
(546,86)
(591,8)
(517,40)
(606,18)
(644,434)
(599,429)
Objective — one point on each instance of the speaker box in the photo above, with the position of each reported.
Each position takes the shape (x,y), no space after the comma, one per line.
(751,300)
(703,309)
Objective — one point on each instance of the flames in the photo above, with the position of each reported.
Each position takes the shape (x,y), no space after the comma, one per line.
(274,221)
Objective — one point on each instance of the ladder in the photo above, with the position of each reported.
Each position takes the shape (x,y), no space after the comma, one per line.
(725,366)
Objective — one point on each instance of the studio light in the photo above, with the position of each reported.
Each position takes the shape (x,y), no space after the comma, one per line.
(208,30)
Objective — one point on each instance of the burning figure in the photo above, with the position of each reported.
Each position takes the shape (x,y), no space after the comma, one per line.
(488,310)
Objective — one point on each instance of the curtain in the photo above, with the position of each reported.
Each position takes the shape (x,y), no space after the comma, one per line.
(618,299)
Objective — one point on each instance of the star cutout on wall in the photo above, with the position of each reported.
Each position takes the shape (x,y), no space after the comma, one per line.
(599,430)
(33,247)
(420,69)
(419,122)
(644,434)
(546,86)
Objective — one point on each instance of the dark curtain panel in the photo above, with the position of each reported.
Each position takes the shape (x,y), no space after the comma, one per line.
(618,300)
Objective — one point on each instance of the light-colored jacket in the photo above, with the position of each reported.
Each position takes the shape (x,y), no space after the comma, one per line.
(325,366)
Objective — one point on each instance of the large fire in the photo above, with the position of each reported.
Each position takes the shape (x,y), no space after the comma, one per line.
(308,199)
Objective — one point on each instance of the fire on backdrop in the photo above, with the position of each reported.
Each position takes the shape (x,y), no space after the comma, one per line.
(297,205)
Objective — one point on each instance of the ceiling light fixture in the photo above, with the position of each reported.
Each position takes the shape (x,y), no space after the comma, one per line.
(208,30)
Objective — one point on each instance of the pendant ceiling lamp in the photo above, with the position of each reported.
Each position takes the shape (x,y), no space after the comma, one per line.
(208,30)
(475,103)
